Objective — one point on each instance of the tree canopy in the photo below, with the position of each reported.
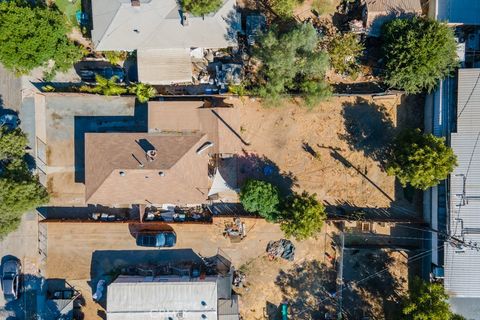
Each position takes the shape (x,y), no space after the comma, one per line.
(284,8)
(20,191)
(418,52)
(107,87)
(261,197)
(202,7)
(303,216)
(33,37)
(344,51)
(291,63)
(143,91)
(427,301)
(422,160)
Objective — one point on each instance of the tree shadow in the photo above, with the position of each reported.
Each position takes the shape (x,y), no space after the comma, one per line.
(368,129)
(254,166)
(370,288)
(307,288)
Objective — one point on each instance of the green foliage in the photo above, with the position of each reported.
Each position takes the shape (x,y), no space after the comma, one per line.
(143,91)
(12,143)
(427,301)
(261,197)
(115,57)
(107,87)
(422,160)
(344,51)
(324,6)
(418,52)
(291,62)
(303,216)
(202,7)
(284,8)
(20,191)
(32,37)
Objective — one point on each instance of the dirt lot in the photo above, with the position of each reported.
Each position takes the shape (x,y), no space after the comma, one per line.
(335,150)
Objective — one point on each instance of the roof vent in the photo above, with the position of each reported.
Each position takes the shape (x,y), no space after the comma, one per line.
(161,173)
(185,19)
(204,316)
(151,155)
(122,173)
(135,3)
(204,147)
(203,303)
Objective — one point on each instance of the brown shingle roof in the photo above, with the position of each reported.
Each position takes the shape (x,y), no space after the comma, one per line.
(219,124)
(117,170)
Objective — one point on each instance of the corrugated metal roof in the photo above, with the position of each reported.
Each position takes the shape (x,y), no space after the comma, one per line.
(228,309)
(160,300)
(458,11)
(164,66)
(462,265)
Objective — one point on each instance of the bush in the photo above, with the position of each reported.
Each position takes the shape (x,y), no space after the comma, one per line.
(303,216)
(284,8)
(291,63)
(143,91)
(202,7)
(422,160)
(107,87)
(115,57)
(33,37)
(261,197)
(12,143)
(344,51)
(324,6)
(419,52)
(428,301)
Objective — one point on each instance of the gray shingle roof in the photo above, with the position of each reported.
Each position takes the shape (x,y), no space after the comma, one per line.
(156,24)
(462,265)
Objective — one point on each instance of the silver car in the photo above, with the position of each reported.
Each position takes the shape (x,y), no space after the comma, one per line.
(11,279)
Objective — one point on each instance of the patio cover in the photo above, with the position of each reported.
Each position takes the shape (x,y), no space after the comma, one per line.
(164,66)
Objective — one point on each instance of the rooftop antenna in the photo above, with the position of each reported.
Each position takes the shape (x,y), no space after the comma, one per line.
(140,164)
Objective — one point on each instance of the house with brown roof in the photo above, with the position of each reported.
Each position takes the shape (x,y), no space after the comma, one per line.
(173,163)
(97,150)
(378,12)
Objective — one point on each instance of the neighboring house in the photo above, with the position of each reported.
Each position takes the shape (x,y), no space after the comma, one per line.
(455,12)
(162,34)
(169,164)
(377,12)
(462,260)
(171,297)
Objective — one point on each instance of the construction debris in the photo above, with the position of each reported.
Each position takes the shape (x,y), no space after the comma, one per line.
(282,248)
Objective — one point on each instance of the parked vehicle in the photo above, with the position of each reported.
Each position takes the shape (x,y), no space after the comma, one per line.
(11,279)
(156,239)
(88,74)
(9,121)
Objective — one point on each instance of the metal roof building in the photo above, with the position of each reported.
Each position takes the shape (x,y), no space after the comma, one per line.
(169,297)
(456,11)
(462,263)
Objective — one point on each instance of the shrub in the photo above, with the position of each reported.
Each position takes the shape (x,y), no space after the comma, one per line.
(202,7)
(261,197)
(344,51)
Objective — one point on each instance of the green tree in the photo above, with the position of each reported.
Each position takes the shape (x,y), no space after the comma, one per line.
(107,87)
(284,8)
(20,191)
(418,52)
(261,197)
(427,301)
(115,57)
(12,143)
(291,63)
(202,7)
(422,160)
(33,37)
(324,6)
(143,91)
(303,216)
(344,51)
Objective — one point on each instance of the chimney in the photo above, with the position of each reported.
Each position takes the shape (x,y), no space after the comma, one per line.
(185,19)
(135,3)
(151,155)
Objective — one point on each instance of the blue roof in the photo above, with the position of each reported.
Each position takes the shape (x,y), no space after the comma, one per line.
(459,11)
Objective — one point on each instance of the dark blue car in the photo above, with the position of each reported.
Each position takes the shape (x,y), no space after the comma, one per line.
(156,239)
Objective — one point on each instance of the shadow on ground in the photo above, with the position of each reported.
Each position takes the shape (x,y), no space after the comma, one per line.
(254,166)
(307,290)
(369,129)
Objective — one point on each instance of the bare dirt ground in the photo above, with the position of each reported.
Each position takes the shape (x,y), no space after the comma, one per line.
(336,150)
